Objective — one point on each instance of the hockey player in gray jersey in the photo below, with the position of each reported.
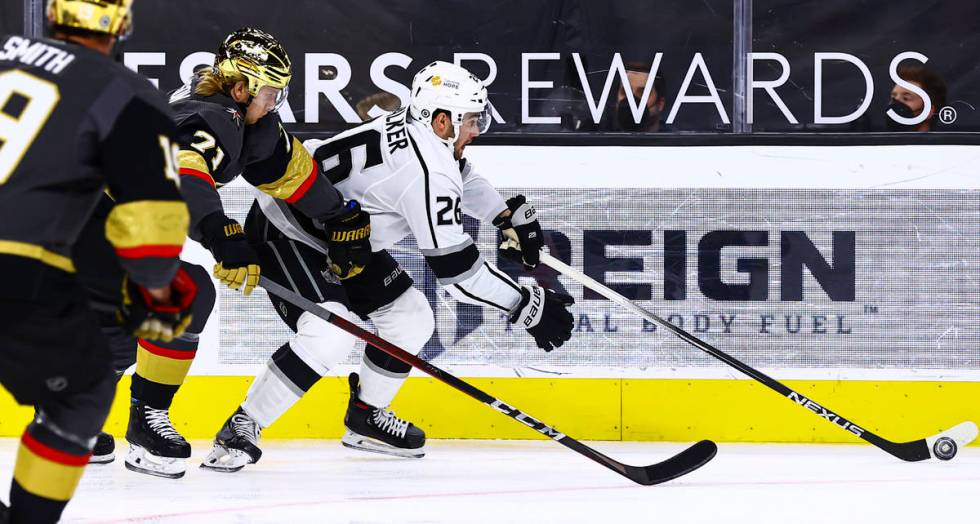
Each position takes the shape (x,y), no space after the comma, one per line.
(406,169)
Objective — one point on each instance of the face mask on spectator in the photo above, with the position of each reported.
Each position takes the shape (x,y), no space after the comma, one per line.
(901,110)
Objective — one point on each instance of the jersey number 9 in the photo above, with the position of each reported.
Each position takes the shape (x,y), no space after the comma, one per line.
(26,103)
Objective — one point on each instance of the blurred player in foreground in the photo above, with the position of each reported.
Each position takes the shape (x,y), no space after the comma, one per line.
(73,123)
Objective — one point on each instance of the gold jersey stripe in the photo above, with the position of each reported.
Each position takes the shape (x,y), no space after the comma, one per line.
(300,168)
(23,249)
(192,160)
(147,222)
(45,478)
(160,369)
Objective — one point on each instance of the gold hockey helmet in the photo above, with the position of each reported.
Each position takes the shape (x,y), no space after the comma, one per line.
(111,17)
(257,56)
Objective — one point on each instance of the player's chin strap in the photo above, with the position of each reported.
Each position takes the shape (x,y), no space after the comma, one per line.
(942,446)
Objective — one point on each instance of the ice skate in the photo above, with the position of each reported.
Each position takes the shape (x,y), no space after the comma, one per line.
(104,451)
(378,430)
(235,445)
(155,447)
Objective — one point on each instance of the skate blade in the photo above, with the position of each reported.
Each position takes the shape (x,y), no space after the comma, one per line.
(226,460)
(142,461)
(102,459)
(360,442)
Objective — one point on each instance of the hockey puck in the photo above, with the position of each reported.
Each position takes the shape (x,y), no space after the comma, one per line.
(944,448)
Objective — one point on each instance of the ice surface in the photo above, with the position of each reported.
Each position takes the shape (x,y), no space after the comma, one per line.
(538,481)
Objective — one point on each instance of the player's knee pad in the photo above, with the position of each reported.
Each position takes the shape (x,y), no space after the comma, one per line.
(205,299)
(123,345)
(122,348)
(78,416)
(320,344)
(406,322)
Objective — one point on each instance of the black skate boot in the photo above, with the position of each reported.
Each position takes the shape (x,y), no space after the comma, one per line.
(379,430)
(104,451)
(4,514)
(155,447)
(236,445)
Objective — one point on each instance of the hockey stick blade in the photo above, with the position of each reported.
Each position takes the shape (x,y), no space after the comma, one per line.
(681,464)
(942,446)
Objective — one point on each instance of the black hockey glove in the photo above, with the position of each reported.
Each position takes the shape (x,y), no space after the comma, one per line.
(544,314)
(238,264)
(523,220)
(349,241)
(142,316)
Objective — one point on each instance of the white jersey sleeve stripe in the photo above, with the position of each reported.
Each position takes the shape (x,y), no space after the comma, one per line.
(438,252)
(462,277)
(457,266)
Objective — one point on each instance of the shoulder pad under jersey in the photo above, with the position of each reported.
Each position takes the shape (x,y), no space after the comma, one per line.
(261,138)
(222,115)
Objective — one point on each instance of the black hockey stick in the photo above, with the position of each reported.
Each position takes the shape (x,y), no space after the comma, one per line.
(942,446)
(683,463)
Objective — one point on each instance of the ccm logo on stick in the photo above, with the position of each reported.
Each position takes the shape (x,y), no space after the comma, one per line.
(527,420)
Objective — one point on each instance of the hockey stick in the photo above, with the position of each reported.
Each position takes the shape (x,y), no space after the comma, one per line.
(683,463)
(942,446)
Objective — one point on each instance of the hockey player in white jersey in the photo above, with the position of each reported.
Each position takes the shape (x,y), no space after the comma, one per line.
(406,169)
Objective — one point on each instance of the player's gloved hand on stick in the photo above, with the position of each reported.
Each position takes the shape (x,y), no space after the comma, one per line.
(159,313)
(523,219)
(544,314)
(349,241)
(238,264)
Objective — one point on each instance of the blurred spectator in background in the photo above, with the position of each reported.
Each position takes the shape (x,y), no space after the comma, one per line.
(385,100)
(908,104)
(620,117)
(567,103)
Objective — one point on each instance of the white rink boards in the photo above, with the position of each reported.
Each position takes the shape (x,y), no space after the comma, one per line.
(897,223)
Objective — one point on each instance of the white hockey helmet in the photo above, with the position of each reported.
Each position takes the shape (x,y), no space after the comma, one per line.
(449,87)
